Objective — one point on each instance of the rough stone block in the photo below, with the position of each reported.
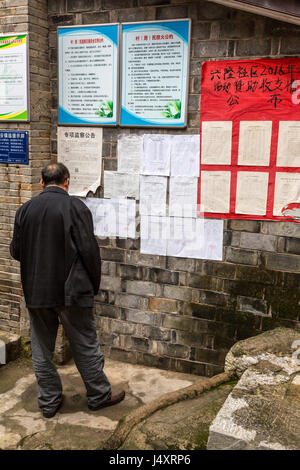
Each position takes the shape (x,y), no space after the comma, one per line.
(235,255)
(162,305)
(200,30)
(180,264)
(214,298)
(112,254)
(209,356)
(179,293)
(173,350)
(107,310)
(237,30)
(163,276)
(119,354)
(79,5)
(290,45)
(284,229)
(293,246)
(256,306)
(129,272)
(143,288)
(210,48)
(110,283)
(255,274)
(131,301)
(211,11)
(114,4)
(282,262)
(154,333)
(253,47)
(178,322)
(146,318)
(258,241)
(166,13)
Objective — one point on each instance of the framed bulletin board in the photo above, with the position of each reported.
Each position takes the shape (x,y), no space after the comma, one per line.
(88,59)
(250,138)
(155,66)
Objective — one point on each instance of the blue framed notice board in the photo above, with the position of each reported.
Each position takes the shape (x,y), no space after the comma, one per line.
(14,147)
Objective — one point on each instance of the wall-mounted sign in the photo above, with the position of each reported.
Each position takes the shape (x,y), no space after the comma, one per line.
(14,78)
(14,147)
(155,64)
(250,138)
(88,75)
(80,149)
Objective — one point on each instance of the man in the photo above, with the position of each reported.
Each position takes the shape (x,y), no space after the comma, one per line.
(60,270)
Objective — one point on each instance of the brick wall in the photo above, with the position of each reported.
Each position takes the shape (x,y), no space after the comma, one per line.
(184,314)
(173,313)
(18,183)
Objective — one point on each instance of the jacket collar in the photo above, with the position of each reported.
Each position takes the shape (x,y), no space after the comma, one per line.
(54,189)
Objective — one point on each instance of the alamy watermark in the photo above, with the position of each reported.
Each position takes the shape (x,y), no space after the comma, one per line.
(2,352)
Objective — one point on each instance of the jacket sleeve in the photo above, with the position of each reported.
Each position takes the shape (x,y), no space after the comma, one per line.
(85,241)
(15,243)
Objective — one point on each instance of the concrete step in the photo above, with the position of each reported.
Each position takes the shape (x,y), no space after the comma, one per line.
(10,347)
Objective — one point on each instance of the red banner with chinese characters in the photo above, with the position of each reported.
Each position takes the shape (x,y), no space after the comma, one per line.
(250,139)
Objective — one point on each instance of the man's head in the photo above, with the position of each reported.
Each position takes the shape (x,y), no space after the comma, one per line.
(55,174)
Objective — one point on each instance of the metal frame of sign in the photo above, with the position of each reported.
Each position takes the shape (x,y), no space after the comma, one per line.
(156,125)
(4,35)
(91,124)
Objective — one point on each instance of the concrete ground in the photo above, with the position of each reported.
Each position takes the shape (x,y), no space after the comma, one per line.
(22,425)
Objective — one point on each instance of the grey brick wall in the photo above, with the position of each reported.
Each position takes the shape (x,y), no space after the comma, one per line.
(185,314)
(173,313)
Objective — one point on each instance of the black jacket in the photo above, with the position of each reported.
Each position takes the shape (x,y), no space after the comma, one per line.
(55,243)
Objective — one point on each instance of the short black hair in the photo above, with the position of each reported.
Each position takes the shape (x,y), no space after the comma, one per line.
(55,173)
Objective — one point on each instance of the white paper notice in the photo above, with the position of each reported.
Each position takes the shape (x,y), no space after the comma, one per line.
(113,217)
(288,153)
(130,153)
(183,196)
(196,238)
(215,191)
(118,185)
(185,155)
(153,195)
(154,235)
(252,193)
(216,142)
(287,191)
(157,150)
(255,143)
(80,149)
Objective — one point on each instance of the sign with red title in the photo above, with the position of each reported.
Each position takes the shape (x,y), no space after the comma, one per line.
(250,139)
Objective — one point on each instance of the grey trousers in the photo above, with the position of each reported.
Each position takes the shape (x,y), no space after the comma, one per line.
(80,327)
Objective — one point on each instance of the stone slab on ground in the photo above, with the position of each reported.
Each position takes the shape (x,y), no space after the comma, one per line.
(12,345)
(182,426)
(75,426)
(263,410)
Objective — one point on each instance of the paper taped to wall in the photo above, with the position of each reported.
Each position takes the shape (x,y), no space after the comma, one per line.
(130,153)
(113,217)
(80,149)
(118,185)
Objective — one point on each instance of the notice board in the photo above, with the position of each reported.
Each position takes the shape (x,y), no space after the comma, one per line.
(88,74)
(14,78)
(14,147)
(250,138)
(155,64)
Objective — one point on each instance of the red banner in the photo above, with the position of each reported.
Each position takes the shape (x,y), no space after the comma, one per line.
(250,139)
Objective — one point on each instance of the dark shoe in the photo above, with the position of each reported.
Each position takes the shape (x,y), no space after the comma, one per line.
(50,414)
(113,399)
